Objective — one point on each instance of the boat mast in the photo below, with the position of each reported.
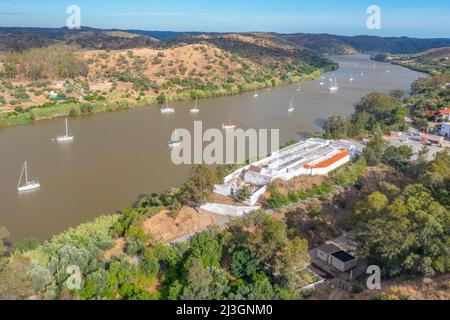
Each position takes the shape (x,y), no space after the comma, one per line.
(67,130)
(26,172)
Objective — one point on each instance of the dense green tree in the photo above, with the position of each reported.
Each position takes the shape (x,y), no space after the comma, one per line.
(199,186)
(150,262)
(399,157)
(406,235)
(198,280)
(207,248)
(242,263)
(337,127)
(26,245)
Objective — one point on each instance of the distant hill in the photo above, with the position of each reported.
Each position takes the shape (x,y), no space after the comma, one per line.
(26,38)
(92,38)
(333,44)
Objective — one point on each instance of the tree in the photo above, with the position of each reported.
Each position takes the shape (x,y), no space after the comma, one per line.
(4,235)
(207,248)
(242,262)
(150,262)
(199,186)
(397,93)
(292,258)
(337,127)
(406,235)
(198,280)
(375,148)
(398,157)
(26,245)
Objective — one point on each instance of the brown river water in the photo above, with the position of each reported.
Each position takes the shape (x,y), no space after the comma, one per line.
(118,156)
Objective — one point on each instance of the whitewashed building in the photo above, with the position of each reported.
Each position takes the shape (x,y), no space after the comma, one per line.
(310,157)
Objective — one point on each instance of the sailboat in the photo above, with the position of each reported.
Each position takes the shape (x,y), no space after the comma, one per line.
(334,86)
(66,137)
(322,80)
(388,71)
(174,143)
(167,109)
(291,106)
(255,95)
(195,109)
(374,65)
(229,125)
(299,88)
(351,78)
(28,185)
(362,73)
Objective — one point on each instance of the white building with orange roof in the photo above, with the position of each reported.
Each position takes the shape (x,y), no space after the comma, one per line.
(310,157)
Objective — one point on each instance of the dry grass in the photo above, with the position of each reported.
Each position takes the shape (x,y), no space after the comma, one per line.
(164,228)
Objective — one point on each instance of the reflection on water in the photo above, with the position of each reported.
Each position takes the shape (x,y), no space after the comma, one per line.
(117,156)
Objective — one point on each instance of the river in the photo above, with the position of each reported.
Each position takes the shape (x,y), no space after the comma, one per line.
(118,156)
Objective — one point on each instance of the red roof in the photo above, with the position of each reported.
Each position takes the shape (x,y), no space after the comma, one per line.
(445,111)
(344,153)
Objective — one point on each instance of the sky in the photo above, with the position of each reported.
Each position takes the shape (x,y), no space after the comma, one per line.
(412,18)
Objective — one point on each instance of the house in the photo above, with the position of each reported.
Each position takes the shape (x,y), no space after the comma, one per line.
(335,257)
(445,130)
(444,115)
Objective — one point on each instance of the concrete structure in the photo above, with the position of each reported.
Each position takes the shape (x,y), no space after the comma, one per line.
(334,256)
(432,139)
(310,157)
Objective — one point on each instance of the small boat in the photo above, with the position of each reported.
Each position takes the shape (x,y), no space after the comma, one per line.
(66,137)
(388,71)
(291,106)
(195,109)
(229,125)
(333,86)
(362,73)
(28,185)
(351,78)
(167,109)
(174,143)
(299,88)
(322,80)
(256,94)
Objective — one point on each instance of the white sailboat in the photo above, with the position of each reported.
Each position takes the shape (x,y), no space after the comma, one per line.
(176,142)
(167,109)
(229,125)
(28,185)
(291,106)
(195,109)
(66,137)
(322,80)
(256,94)
(333,86)
(351,78)
(388,71)
(299,88)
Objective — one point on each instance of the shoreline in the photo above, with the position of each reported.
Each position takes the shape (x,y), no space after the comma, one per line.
(54,110)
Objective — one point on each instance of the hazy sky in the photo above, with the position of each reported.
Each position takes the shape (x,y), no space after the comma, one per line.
(402,17)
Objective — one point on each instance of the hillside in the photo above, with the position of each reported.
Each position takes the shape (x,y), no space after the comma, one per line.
(25,38)
(432,61)
(59,76)
(334,44)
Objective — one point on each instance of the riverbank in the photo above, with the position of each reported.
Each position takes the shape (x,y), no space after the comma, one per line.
(72,108)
